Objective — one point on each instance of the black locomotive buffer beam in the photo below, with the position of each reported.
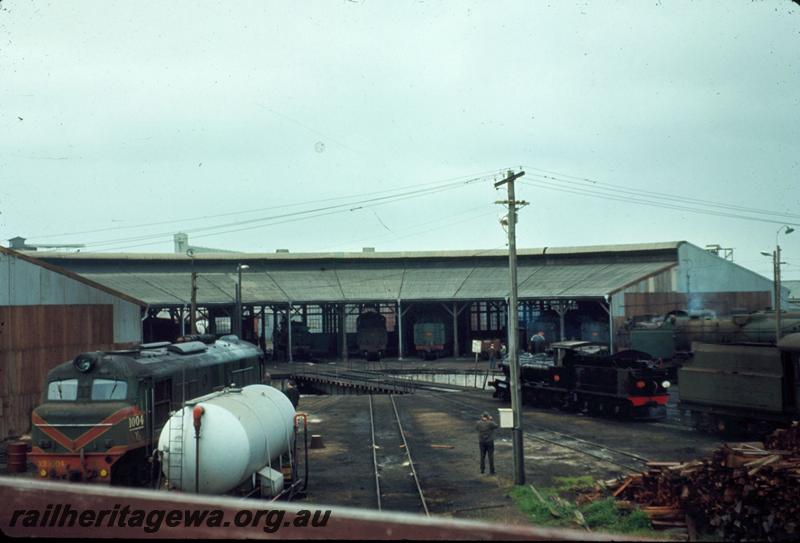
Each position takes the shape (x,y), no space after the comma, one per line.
(390,471)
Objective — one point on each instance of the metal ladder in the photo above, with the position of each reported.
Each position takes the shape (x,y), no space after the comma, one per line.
(175,463)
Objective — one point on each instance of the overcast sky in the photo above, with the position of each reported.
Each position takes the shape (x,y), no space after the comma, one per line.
(115,115)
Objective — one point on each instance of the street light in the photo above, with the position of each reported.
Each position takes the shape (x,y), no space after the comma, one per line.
(239,269)
(776,271)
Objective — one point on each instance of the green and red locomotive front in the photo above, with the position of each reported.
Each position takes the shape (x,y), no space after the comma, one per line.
(92,415)
(101,412)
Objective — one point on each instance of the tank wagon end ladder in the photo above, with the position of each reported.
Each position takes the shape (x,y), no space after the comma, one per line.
(175,463)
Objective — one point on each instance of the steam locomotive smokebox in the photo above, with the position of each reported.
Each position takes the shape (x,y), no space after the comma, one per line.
(506,417)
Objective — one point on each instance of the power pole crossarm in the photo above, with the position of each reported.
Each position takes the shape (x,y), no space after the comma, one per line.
(510,179)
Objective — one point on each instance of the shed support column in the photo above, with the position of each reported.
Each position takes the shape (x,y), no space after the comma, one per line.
(607,307)
(399,330)
(289,331)
(456,350)
(455,312)
(275,320)
(610,328)
(212,322)
(263,341)
(561,309)
(343,331)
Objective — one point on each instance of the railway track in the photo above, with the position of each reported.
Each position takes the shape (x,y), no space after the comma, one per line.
(618,457)
(317,403)
(397,486)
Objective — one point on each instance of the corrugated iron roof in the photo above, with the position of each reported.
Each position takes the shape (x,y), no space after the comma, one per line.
(354,283)
(559,272)
(123,295)
(588,250)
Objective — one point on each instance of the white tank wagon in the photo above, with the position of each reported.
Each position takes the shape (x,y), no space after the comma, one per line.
(240,432)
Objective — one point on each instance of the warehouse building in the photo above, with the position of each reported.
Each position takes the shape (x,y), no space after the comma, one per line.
(48,315)
(569,292)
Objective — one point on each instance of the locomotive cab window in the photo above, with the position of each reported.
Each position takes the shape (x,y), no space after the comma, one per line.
(109,389)
(63,390)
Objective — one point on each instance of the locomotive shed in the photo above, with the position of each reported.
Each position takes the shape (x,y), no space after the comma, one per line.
(440,430)
(568,292)
(573,292)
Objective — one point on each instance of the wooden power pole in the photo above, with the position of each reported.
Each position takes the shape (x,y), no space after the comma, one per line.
(513,323)
(193,311)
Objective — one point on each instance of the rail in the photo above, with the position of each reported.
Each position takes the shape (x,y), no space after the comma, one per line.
(379,489)
(577,444)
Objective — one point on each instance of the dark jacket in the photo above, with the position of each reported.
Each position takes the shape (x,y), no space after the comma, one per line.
(486,430)
(294,396)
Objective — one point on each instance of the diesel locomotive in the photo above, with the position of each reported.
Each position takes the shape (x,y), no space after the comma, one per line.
(101,413)
(583,376)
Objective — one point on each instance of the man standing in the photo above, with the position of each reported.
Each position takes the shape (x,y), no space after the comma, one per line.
(292,393)
(492,356)
(486,427)
(538,341)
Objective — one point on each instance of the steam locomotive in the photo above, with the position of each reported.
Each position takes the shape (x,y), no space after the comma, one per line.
(301,341)
(371,335)
(101,413)
(671,338)
(583,376)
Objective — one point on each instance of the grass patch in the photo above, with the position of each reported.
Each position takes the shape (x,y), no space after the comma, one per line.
(558,511)
(567,484)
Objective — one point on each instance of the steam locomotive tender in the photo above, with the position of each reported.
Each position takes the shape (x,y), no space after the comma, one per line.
(582,376)
(750,388)
(101,414)
(429,338)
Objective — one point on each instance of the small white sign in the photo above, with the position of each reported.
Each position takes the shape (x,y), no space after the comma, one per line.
(476,345)
(506,417)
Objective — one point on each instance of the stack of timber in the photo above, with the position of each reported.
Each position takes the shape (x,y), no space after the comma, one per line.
(742,492)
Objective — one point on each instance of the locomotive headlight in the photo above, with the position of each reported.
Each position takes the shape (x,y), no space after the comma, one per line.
(104,472)
(666,384)
(83,363)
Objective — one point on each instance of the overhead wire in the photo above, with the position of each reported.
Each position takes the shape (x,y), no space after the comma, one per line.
(314,212)
(416,226)
(593,183)
(467,177)
(549,185)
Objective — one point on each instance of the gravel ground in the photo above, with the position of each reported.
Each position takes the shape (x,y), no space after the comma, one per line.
(443,442)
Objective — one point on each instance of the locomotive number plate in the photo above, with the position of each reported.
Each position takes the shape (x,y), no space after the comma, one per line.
(136,422)
(48,464)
